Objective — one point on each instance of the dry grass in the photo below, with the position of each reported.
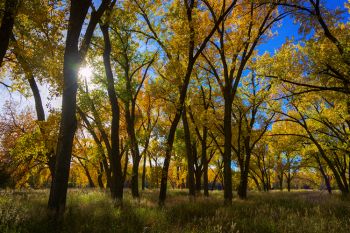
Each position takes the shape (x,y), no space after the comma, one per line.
(93,211)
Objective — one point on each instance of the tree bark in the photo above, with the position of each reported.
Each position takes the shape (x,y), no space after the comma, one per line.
(99,176)
(6,27)
(87,173)
(189,153)
(130,121)
(135,178)
(144,171)
(205,162)
(58,191)
(72,60)
(227,146)
(116,185)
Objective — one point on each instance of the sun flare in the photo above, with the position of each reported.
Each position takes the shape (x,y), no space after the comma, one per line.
(86,72)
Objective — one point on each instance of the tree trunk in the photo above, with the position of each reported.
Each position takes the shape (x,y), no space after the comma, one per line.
(198,176)
(135,155)
(243,185)
(190,159)
(144,171)
(168,150)
(72,59)
(115,159)
(130,126)
(227,147)
(99,176)
(6,27)
(88,175)
(289,181)
(126,161)
(205,161)
(281,182)
(37,99)
(256,181)
(135,178)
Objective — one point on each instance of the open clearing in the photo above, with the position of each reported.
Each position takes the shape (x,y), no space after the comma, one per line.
(90,210)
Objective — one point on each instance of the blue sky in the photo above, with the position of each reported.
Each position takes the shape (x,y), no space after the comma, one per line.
(289,29)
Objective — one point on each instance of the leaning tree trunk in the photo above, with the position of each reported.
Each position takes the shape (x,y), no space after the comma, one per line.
(58,191)
(72,60)
(88,175)
(6,27)
(39,108)
(168,150)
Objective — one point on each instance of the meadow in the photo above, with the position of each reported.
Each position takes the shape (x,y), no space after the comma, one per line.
(91,210)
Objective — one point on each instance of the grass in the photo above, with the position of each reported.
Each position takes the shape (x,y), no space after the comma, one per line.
(93,211)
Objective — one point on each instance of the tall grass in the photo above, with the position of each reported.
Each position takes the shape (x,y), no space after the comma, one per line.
(93,211)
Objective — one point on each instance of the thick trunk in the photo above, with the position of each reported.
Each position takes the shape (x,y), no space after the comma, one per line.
(227,147)
(58,191)
(51,164)
(189,153)
(243,185)
(6,27)
(72,60)
(288,185)
(198,176)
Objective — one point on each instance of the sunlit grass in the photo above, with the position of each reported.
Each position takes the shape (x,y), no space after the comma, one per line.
(90,210)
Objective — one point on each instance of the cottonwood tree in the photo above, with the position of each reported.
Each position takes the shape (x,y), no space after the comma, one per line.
(73,57)
(37,36)
(132,69)
(227,56)
(185,45)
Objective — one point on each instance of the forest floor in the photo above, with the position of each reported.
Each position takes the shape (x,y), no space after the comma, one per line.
(90,210)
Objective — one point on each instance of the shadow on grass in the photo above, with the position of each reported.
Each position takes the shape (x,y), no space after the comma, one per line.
(93,211)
